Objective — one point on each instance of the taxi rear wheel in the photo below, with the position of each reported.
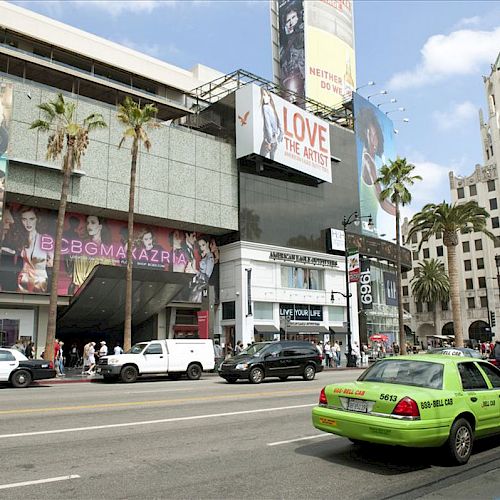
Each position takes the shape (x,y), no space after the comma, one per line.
(459,445)
(256,375)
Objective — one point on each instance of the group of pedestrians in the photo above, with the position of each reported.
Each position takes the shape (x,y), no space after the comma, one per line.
(27,348)
(90,355)
(331,353)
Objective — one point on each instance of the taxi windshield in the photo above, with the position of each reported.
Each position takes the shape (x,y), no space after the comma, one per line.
(406,372)
(137,348)
(254,350)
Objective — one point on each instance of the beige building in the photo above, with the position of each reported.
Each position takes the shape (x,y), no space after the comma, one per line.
(478,255)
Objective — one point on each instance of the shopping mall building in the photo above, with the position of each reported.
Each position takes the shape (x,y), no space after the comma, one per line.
(230,234)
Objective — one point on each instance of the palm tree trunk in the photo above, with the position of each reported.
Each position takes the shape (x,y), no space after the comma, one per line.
(127,330)
(52,320)
(455,294)
(402,333)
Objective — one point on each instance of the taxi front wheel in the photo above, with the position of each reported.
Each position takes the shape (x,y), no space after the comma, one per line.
(459,444)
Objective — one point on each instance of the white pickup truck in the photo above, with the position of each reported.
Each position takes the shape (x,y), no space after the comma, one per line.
(172,357)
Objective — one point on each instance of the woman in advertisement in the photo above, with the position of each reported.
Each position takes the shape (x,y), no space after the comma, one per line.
(206,266)
(99,234)
(273,133)
(148,252)
(372,138)
(33,277)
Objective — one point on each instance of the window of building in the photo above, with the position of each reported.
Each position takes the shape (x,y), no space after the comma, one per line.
(460,193)
(496,242)
(465,246)
(495,222)
(404,275)
(491,185)
(471,303)
(263,310)
(480,263)
(439,236)
(229,310)
(467,265)
(419,307)
(487,154)
(478,244)
(426,253)
(414,255)
(336,313)
(472,190)
(469,285)
(445,306)
(482,282)
(405,291)
(301,277)
(439,251)
(493,204)
(406,307)
(484,301)
(414,238)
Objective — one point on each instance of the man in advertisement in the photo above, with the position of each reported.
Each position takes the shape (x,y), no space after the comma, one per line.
(292,53)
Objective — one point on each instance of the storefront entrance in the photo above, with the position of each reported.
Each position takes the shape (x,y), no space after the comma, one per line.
(16,325)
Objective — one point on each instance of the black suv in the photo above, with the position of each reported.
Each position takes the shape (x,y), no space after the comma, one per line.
(281,359)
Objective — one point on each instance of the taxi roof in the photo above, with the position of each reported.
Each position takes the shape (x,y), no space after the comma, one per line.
(435,358)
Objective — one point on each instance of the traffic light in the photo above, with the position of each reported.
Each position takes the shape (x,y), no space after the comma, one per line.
(492,318)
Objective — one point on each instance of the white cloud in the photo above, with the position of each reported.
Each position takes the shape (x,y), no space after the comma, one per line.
(433,188)
(461,52)
(468,21)
(459,115)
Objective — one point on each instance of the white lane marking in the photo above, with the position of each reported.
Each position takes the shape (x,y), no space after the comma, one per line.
(151,422)
(299,439)
(39,481)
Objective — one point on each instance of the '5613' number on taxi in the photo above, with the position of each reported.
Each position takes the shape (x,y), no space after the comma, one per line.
(388,397)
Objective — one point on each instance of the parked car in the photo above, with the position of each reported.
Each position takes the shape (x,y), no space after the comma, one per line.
(173,357)
(282,359)
(426,401)
(19,371)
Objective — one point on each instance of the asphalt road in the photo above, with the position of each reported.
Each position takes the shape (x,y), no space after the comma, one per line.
(208,439)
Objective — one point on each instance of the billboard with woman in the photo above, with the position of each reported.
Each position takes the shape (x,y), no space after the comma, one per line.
(89,240)
(374,148)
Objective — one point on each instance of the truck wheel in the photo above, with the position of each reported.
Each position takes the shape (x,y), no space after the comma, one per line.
(309,372)
(129,374)
(21,379)
(194,372)
(459,444)
(256,375)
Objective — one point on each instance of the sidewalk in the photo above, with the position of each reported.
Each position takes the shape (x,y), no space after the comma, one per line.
(74,376)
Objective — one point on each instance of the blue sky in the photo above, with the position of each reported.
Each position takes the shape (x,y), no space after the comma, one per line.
(430,56)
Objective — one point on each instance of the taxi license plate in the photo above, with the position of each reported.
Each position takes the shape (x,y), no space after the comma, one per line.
(357,405)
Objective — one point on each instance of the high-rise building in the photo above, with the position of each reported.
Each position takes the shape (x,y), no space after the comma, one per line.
(478,255)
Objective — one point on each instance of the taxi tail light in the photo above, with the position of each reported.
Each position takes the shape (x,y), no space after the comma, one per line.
(322,397)
(406,408)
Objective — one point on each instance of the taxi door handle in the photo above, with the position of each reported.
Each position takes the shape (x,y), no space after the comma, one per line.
(161,356)
(473,399)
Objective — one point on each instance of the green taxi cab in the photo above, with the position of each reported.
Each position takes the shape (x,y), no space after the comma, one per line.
(416,401)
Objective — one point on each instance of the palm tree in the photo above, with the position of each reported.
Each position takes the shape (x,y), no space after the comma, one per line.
(395,179)
(135,120)
(450,220)
(66,134)
(431,284)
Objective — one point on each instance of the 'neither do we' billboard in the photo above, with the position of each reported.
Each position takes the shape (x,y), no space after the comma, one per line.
(272,127)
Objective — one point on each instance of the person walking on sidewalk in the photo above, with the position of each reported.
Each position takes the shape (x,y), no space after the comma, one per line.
(336,353)
(91,359)
(117,350)
(60,359)
(328,354)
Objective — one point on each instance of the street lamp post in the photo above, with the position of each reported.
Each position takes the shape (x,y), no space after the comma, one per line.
(347,221)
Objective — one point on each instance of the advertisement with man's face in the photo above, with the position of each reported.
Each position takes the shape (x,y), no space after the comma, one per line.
(89,240)
(276,129)
(374,148)
(291,46)
(330,64)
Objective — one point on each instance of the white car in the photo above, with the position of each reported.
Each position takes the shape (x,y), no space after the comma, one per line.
(19,371)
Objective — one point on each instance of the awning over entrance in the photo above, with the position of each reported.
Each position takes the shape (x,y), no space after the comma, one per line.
(99,303)
(266,329)
(306,329)
(338,329)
